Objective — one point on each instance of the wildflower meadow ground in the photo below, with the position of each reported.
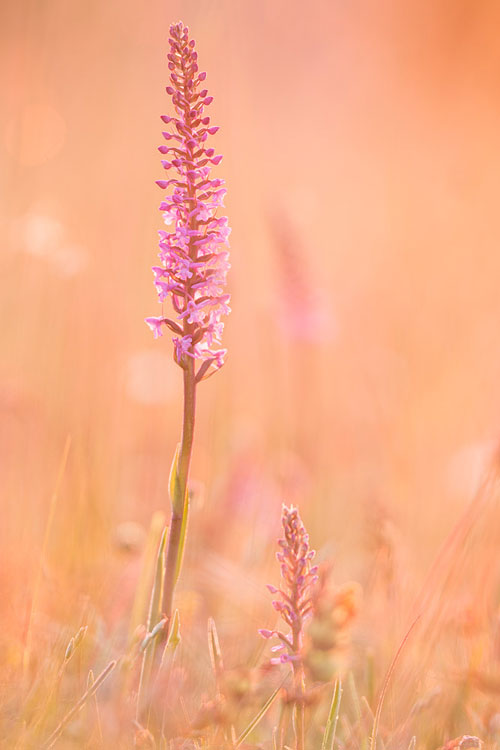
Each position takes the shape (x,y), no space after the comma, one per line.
(255,504)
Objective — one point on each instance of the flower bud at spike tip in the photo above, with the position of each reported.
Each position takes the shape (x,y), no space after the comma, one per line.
(194,255)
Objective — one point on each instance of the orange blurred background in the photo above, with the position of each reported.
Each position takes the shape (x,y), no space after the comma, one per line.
(362,160)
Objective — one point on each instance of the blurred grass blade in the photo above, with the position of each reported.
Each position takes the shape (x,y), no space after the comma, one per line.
(179,503)
(74,642)
(214,648)
(182,539)
(354,696)
(43,554)
(256,719)
(356,702)
(333,717)
(78,706)
(370,676)
(81,635)
(154,617)
(143,590)
(173,640)
(155,603)
(367,707)
(378,712)
(70,649)
(172,477)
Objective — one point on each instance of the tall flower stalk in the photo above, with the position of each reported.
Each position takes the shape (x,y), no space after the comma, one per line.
(294,604)
(194,263)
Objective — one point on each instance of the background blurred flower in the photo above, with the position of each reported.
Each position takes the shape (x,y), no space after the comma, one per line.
(293,602)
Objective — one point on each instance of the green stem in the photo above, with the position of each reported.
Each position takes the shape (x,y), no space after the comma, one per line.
(298,677)
(299,708)
(181,489)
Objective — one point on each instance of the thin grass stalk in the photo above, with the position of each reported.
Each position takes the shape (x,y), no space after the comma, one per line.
(53,689)
(299,725)
(354,696)
(385,685)
(143,590)
(368,709)
(90,684)
(167,660)
(333,717)
(259,716)
(43,553)
(370,677)
(50,742)
(282,725)
(215,652)
(356,702)
(154,617)
(173,640)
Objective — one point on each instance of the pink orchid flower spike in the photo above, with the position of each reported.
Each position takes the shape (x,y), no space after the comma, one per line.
(194,249)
